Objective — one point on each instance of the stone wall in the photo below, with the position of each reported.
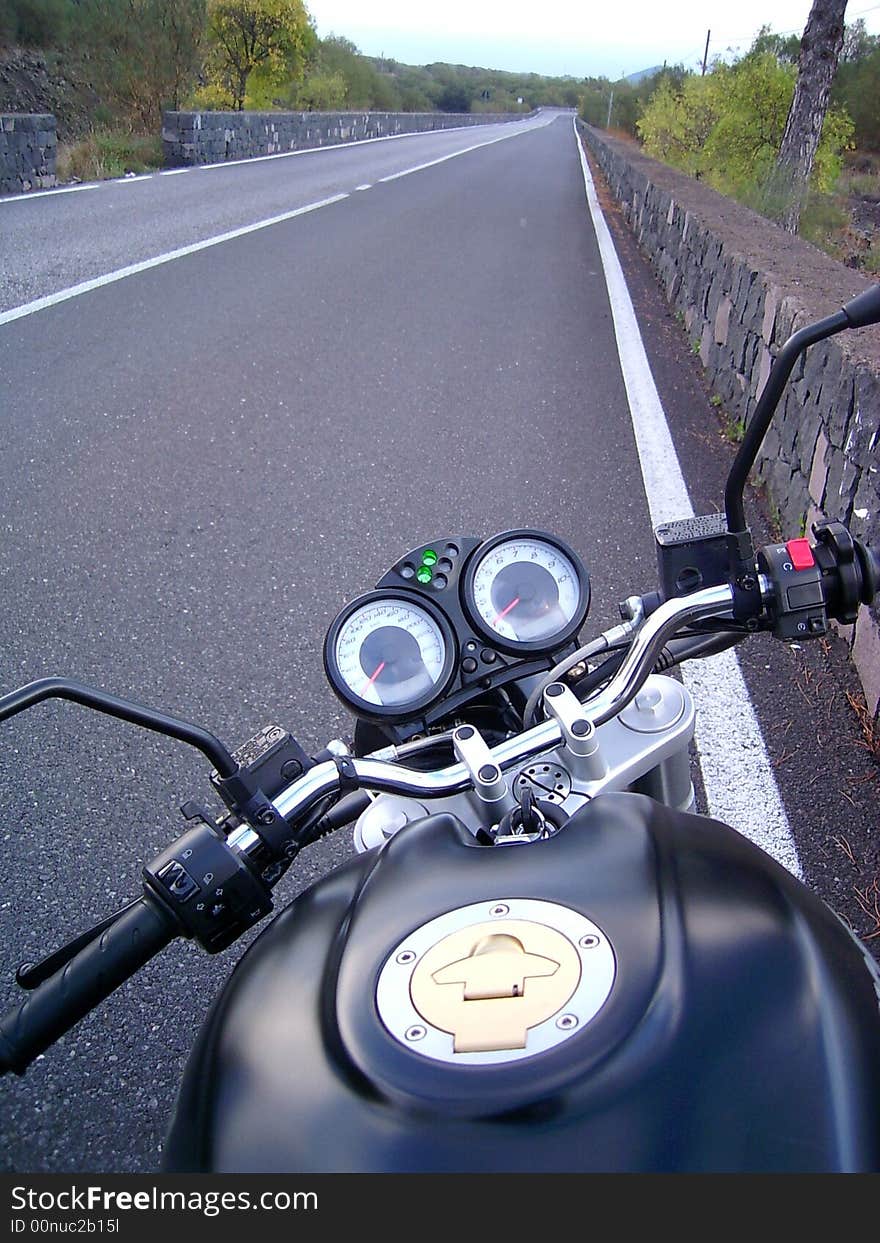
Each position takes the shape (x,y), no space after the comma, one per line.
(27,151)
(741,286)
(212,137)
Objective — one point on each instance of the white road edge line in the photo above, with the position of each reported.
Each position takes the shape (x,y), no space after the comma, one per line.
(74,291)
(41,194)
(740,786)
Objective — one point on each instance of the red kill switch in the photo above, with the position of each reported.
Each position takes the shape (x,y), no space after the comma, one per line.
(801,554)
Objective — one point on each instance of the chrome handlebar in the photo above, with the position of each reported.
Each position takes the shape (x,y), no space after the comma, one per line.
(392,778)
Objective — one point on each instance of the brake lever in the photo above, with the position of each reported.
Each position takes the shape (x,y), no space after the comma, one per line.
(31,974)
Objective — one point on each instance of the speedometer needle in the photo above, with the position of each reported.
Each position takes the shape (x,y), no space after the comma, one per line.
(369,682)
(504,612)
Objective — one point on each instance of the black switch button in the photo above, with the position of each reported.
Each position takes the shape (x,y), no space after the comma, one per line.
(804,595)
(178,881)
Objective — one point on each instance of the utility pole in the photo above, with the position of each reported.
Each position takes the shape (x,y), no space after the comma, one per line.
(610,102)
(706,54)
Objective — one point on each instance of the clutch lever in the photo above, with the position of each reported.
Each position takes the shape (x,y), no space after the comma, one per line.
(31,974)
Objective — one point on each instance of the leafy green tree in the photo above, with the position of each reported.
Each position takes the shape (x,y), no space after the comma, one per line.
(454,97)
(274,37)
(143,55)
(338,76)
(751,101)
(857,85)
(320,91)
(678,121)
(34,23)
(785,48)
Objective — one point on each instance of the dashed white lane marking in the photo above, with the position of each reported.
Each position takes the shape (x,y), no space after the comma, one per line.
(132,269)
(417,168)
(740,786)
(364,187)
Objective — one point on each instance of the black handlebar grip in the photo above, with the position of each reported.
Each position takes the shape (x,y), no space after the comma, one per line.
(864,309)
(141,931)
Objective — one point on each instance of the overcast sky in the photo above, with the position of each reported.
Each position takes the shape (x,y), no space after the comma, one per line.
(557,37)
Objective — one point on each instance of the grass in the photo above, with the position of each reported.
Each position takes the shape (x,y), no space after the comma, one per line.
(733,429)
(109,153)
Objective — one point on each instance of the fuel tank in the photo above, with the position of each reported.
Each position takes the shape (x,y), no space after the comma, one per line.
(643,991)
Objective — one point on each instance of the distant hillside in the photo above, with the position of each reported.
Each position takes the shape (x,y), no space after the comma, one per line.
(635,78)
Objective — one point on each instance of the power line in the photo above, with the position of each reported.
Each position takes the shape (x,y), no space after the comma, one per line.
(797,30)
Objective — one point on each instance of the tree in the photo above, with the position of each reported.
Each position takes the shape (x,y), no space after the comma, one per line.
(676,125)
(817,64)
(857,85)
(143,54)
(272,36)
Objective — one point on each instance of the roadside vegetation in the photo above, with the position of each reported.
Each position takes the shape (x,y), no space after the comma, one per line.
(725,128)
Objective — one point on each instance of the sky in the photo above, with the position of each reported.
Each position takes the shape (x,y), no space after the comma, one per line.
(577,38)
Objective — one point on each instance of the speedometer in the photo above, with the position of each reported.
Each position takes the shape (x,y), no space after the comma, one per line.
(526,591)
(388,655)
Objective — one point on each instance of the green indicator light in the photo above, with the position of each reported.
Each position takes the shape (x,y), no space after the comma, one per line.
(429,557)
(424,575)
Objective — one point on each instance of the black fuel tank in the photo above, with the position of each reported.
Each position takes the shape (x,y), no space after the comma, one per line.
(741,1031)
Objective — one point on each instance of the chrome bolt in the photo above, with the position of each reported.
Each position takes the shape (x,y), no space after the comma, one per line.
(648,699)
(417,1032)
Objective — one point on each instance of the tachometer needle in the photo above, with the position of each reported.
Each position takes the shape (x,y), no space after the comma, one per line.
(504,612)
(369,682)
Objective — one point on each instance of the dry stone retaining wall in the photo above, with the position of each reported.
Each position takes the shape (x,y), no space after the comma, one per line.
(212,137)
(27,151)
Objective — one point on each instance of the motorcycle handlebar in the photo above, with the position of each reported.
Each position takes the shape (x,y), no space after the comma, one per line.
(56,1005)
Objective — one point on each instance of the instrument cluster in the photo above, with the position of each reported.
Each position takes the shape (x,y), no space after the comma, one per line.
(455,617)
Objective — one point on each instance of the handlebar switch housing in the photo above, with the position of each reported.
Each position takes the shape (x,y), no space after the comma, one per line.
(797,610)
(212,893)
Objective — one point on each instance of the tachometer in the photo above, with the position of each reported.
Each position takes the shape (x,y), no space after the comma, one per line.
(526,591)
(387,655)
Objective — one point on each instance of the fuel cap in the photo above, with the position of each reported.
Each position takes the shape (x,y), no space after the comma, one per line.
(496,981)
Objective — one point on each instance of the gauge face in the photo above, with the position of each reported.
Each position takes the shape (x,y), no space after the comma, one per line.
(526,591)
(388,656)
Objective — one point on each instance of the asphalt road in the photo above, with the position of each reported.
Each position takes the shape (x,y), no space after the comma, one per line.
(203,461)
